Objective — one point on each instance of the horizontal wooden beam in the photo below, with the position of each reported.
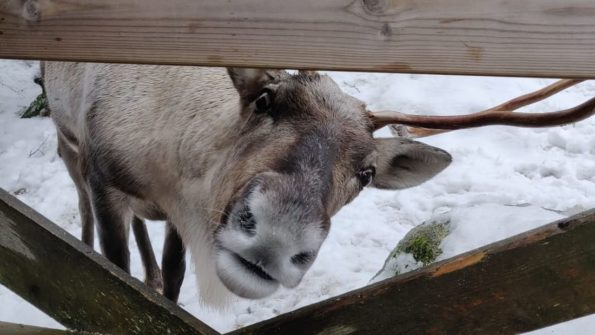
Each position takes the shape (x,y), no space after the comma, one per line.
(541,38)
(77,287)
(526,282)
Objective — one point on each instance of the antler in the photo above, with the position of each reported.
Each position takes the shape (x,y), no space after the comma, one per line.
(503,114)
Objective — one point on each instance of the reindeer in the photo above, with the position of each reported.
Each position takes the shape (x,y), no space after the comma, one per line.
(247,166)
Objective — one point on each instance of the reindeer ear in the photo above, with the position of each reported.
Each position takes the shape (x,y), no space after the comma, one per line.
(250,82)
(404,163)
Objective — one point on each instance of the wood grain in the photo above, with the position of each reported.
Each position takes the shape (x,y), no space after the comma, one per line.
(77,287)
(526,282)
(541,38)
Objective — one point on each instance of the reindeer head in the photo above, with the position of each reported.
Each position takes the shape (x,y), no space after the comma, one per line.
(305,149)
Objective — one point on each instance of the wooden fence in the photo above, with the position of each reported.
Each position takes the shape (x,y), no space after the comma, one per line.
(526,282)
(545,38)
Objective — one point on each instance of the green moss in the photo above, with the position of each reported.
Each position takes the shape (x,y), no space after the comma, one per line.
(423,241)
(36,107)
(422,250)
(419,247)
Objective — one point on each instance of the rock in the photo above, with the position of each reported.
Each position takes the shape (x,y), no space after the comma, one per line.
(420,247)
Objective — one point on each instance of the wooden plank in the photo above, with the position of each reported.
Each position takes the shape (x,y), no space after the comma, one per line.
(541,38)
(523,283)
(77,287)
(16,329)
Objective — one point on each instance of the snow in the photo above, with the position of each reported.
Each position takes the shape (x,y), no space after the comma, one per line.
(502,181)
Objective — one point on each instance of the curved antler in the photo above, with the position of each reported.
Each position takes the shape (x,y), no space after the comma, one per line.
(503,114)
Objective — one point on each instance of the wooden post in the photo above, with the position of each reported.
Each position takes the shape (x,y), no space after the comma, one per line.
(542,38)
(77,287)
(526,282)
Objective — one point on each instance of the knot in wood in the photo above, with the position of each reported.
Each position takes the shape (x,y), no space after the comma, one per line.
(31,11)
(375,6)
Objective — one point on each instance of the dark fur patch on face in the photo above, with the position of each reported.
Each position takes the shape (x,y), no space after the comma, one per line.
(315,149)
(313,153)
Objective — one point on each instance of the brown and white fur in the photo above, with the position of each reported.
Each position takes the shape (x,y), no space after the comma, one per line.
(247,166)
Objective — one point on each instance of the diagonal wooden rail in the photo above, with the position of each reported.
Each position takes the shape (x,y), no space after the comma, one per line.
(543,38)
(526,282)
(77,287)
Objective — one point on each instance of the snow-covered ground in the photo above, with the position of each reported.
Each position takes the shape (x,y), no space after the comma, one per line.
(503,181)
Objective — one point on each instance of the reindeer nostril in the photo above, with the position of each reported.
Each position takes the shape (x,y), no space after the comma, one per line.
(302,258)
(247,222)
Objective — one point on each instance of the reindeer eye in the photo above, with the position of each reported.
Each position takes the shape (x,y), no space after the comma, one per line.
(366,175)
(263,102)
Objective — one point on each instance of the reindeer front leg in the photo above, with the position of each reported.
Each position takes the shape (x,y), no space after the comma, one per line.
(153,277)
(173,263)
(111,215)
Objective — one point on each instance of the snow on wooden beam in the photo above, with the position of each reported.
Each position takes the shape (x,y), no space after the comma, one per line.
(16,329)
(529,281)
(77,287)
(541,38)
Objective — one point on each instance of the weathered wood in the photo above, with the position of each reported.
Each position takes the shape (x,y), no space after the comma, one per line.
(77,287)
(527,282)
(543,38)
(16,329)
